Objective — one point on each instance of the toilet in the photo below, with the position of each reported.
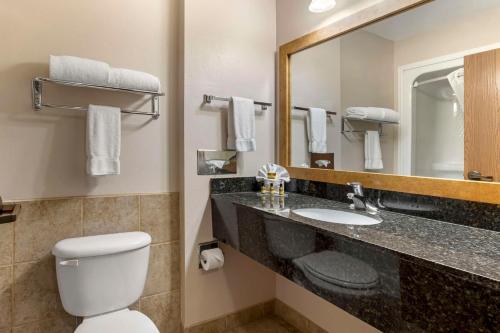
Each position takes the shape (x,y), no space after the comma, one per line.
(100,276)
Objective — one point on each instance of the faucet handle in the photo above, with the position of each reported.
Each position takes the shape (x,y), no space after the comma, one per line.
(356,187)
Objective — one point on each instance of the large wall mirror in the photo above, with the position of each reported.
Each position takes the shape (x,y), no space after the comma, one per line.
(414,94)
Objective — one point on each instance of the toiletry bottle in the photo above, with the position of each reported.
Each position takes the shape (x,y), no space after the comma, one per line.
(282,188)
(272,190)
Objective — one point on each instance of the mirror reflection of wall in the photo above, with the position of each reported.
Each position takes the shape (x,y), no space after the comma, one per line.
(415,64)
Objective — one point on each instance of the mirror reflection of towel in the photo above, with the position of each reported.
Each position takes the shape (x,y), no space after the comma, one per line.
(456,80)
(316,130)
(373,153)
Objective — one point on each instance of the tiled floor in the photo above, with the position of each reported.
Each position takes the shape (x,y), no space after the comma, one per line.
(266,325)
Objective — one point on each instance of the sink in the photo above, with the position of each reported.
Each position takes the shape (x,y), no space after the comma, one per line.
(336,216)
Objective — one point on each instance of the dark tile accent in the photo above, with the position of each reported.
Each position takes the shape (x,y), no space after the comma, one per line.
(468,213)
(236,184)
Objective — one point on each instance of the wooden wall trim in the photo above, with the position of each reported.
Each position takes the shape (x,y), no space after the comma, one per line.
(455,189)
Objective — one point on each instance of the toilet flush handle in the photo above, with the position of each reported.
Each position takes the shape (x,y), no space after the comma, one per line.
(72,263)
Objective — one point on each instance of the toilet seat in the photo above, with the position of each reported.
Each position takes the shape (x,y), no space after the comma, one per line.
(122,321)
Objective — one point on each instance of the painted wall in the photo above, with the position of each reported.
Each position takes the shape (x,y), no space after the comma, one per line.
(294,20)
(229,49)
(474,31)
(44,153)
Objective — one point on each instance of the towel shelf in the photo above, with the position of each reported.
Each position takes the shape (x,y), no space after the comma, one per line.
(207,99)
(301,108)
(379,122)
(37,91)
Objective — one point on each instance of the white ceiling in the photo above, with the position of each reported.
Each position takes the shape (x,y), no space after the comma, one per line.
(428,16)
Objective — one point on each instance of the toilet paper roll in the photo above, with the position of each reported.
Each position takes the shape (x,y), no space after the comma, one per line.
(211,259)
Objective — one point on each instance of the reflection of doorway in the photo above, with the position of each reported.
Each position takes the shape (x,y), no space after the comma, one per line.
(431,135)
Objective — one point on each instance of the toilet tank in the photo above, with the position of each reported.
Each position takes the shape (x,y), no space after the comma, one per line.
(99,274)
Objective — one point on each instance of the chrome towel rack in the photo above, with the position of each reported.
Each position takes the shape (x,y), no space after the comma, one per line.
(380,124)
(37,92)
(301,108)
(207,99)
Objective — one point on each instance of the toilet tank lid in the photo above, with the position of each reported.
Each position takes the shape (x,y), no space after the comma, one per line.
(92,246)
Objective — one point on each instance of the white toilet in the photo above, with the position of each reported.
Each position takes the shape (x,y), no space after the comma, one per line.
(100,276)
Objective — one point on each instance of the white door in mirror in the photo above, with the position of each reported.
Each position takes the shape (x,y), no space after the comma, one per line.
(335,216)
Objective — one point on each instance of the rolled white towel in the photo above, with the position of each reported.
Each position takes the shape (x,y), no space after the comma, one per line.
(372,113)
(131,79)
(68,68)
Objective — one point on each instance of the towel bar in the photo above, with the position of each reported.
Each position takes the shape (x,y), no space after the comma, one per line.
(37,91)
(379,122)
(207,99)
(301,108)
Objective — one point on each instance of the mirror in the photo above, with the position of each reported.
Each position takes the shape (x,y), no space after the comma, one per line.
(414,94)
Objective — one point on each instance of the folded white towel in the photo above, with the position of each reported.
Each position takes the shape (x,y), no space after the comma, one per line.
(373,153)
(103,140)
(130,79)
(68,68)
(241,124)
(372,113)
(316,130)
(89,71)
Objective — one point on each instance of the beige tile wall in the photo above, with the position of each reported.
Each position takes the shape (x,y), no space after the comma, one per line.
(29,298)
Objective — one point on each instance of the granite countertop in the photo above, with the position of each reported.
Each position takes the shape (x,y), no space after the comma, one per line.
(466,251)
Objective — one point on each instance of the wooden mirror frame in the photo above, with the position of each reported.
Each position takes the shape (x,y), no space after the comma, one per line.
(447,188)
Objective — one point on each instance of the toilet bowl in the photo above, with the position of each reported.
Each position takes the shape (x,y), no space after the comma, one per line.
(100,276)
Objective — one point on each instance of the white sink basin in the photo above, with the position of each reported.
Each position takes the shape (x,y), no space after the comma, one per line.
(335,216)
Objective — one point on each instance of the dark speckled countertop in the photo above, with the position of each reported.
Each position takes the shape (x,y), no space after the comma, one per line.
(470,252)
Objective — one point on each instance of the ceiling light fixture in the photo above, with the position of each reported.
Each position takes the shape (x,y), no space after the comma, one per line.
(320,6)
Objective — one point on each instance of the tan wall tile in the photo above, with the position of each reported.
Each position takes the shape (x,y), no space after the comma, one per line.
(63,324)
(6,243)
(248,315)
(213,326)
(36,296)
(160,216)
(164,269)
(5,330)
(106,215)
(5,296)
(42,223)
(291,316)
(164,311)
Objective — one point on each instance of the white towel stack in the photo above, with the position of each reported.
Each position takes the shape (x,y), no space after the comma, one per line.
(316,130)
(371,113)
(68,68)
(241,125)
(103,140)
(373,153)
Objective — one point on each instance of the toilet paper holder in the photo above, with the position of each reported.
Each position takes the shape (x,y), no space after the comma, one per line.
(206,246)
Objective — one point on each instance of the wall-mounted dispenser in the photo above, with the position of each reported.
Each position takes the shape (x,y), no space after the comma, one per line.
(217,162)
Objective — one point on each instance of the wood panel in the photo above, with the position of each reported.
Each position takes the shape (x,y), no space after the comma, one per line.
(457,189)
(482,114)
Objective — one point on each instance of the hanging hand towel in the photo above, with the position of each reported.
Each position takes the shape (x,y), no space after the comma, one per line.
(103,140)
(373,153)
(316,130)
(241,125)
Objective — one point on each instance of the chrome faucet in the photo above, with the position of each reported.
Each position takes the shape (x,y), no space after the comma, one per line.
(359,201)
